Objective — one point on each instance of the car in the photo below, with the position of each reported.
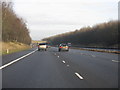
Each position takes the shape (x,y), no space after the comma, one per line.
(69,44)
(63,47)
(42,46)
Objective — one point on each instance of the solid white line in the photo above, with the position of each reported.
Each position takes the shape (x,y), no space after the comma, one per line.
(63,61)
(115,61)
(78,75)
(17,59)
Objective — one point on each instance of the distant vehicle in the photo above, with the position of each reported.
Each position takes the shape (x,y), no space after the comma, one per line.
(69,44)
(63,47)
(42,46)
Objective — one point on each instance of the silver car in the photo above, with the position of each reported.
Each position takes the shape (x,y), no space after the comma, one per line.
(64,47)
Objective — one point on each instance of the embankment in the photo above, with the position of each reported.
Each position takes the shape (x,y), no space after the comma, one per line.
(12,47)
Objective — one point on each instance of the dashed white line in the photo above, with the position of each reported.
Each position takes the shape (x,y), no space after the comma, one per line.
(68,65)
(93,56)
(115,61)
(78,75)
(17,59)
(58,56)
(63,61)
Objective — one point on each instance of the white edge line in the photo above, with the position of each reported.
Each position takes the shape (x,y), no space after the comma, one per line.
(78,75)
(17,59)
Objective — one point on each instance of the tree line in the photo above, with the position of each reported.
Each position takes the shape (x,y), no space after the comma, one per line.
(14,28)
(100,35)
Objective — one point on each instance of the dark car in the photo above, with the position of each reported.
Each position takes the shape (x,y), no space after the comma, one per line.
(63,47)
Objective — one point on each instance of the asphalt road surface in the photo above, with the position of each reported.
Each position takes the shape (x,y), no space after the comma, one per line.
(53,69)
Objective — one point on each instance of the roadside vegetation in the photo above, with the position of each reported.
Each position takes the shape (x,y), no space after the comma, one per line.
(15,34)
(11,47)
(104,35)
(38,41)
(14,28)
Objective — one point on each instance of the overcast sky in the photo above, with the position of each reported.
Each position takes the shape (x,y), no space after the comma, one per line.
(50,17)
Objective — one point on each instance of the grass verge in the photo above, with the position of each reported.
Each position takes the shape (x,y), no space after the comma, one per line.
(12,47)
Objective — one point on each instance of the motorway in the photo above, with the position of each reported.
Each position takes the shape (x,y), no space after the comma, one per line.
(53,69)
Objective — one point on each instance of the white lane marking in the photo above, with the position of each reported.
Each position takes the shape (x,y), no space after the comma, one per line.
(93,56)
(115,61)
(83,54)
(17,59)
(78,75)
(68,65)
(63,61)
(58,56)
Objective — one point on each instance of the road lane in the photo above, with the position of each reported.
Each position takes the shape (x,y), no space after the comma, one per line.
(40,70)
(16,60)
(99,71)
(8,58)
(44,69)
